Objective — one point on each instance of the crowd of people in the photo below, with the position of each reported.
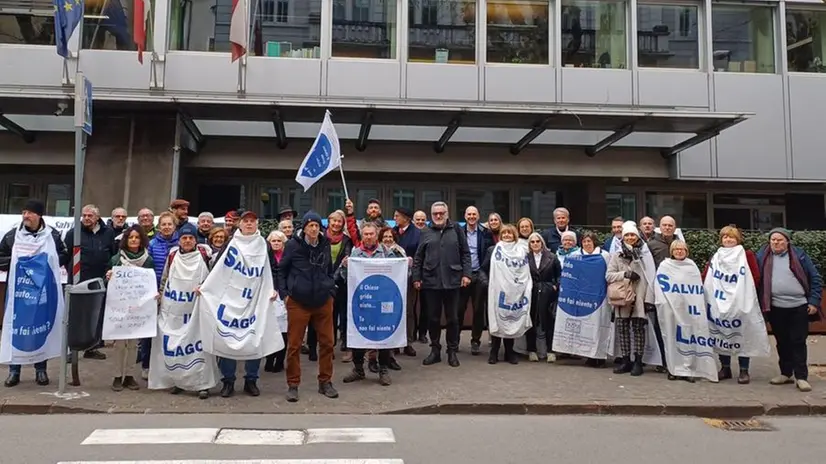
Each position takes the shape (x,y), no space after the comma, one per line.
(450,271)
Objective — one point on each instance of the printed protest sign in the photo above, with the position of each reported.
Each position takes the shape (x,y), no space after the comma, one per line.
(376,303)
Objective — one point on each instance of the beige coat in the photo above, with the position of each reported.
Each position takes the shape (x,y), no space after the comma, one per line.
(617,266)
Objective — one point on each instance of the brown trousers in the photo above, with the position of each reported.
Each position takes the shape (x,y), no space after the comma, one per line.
(298,318)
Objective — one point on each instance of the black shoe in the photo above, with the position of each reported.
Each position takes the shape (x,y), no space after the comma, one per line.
(292,394)
(512,358)
(313,355)
(434,357)
(327,390)
(725,373)
(251,388)
(742,379)
(409,351)
(393,365)
(12,380)
(117,384)
(94,354)
(591,362)
(42,379)
(355,375)
(278,367)
(422,339)
(228,389)
(493,358)
(269,366)
(636,369)
(305,349)
(618,360)
(475,348)
(130,383)
(625,366)
(373,366)
(176,391)
(384,377)
(203,394)
(452,359)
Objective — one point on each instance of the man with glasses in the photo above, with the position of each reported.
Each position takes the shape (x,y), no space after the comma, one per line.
(441,268)
(118,224)
(479,240)
(146,219)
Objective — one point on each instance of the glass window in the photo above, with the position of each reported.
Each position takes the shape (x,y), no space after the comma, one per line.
(28,22)
(742,38)
(17,196)
(538,205)
(404,198)
(667,36)
(107,25)
(688,209)
(806,40)
(442,31)
(335,199)
(593,34)
(59,199)
(486,201)
(620,204)
(301,201)
(363,195)
(368,31)
(429,197)
(518,31)
(271,202)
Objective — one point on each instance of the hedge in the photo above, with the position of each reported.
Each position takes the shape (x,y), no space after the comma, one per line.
(703,243)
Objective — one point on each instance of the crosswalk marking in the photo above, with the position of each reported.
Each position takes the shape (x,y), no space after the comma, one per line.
(230,436)
(249,461)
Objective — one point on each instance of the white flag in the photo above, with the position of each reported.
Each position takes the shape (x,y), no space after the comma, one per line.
(323,157)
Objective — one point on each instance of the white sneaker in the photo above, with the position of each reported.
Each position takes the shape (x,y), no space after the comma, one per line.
(780,380)
(551,358)
(145,374)
(532,357)
(804,386)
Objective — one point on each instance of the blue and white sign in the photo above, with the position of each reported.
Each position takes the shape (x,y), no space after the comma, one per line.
(323,157)
(583,319)
(376,303)
(83,103)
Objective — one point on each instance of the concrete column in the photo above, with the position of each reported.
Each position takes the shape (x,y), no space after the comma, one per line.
(150,172)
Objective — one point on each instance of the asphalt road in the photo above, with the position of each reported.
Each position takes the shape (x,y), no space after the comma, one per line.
(190,439)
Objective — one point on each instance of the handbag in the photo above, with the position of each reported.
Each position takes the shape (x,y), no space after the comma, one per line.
(622,293)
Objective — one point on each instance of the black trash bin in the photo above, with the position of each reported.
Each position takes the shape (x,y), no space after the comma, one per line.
(85,325)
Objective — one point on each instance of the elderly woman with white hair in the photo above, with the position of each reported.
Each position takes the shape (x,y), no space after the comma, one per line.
(567,246)
(276,239)
(545,274)
(630,277)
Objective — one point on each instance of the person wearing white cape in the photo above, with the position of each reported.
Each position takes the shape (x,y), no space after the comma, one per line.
(32,237)
(589,247)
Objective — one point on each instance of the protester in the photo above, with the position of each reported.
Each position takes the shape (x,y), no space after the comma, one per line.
(117,222)
(545,272)
(286,227)
(441,267)
(373,213)
(566,246)
(286,213)
(420,219)
(408,239)
(589,247)
(790,292)
(479,242)
(525,228)
(340,247)
(630,274)
(731,237)
(553,235)
(420,222)
(614,241)
(165,239)
(679,253)
(180,209)
(646,228)
(305,281)
(370,248)
(277,240)
(31,238)
(146,219)
(660,242)
(133,252)
(388,238)
(206,222)
(230,222)
(218,239)
(494,225)
(97,246)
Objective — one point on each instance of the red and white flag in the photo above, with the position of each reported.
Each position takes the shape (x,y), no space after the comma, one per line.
(238,37)
(142,10)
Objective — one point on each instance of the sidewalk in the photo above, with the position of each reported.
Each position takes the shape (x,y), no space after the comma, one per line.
(567,387)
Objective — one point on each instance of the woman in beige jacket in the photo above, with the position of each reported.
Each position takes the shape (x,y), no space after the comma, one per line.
(634,264)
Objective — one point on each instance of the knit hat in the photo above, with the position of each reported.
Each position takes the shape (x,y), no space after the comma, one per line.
(784,232)
(630,227)
(310,216)
(35,206)
(187,229)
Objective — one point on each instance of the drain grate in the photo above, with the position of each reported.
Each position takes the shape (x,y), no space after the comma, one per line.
(750,425)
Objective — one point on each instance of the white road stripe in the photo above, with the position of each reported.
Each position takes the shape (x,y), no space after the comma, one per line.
(260,437)
(151,436)
(354,435)
(231,436)
(250,461)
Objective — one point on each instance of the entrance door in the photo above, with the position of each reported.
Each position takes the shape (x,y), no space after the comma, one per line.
(219,198)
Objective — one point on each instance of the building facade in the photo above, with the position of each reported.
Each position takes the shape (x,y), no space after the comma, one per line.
(710,111)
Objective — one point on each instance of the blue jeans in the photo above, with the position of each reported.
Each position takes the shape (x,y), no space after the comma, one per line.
(38,367)
(725,360)
(145,352)
(228,367)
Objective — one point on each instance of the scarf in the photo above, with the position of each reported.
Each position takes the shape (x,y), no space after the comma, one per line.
(796,268)
(278,254)
(334,238)
(631,252)
(369,249)
(563,252)
(127,258)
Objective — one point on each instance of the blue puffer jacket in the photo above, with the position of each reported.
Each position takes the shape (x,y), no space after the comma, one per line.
(159,249)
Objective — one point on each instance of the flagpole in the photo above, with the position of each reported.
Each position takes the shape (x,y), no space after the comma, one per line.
(343,182)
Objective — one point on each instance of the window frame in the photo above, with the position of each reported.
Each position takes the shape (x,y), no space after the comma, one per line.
(807,7)
(777,46)
(552,37)
(349,9)
(630,34)
(703,32)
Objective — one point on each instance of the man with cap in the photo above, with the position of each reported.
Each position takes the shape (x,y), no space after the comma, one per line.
(32,225)
(287,213)
(305,281)
(230,220)
(180,208)
(409,237)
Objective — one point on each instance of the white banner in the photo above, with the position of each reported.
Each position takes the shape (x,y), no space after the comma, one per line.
(680,308)
(238,317)
(34,301)
(376,303)
(583,317)
(131,311)
(509,290)
(735,320)
(178,358)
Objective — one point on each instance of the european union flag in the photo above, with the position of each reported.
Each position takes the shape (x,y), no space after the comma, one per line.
(67,15)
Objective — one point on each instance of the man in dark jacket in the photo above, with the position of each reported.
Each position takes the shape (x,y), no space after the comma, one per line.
(33,224)
(441,268)
(479,240)
(97,246)
(180,208)
(553,235)
(660,243)
(409,237)
(305,281)
(118,224)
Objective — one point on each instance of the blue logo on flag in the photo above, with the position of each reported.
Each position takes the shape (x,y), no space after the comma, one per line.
(319,159)
(582,289)
(35,302)
(377,307)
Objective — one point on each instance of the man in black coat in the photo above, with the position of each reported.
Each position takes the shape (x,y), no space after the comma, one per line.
(97,246)
(441,268)
(479,241)
(409,237)
(33,224)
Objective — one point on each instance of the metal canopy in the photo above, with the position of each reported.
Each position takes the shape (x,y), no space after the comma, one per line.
(535,119)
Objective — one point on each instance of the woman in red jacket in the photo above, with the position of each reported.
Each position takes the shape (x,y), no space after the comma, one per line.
(730,237)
